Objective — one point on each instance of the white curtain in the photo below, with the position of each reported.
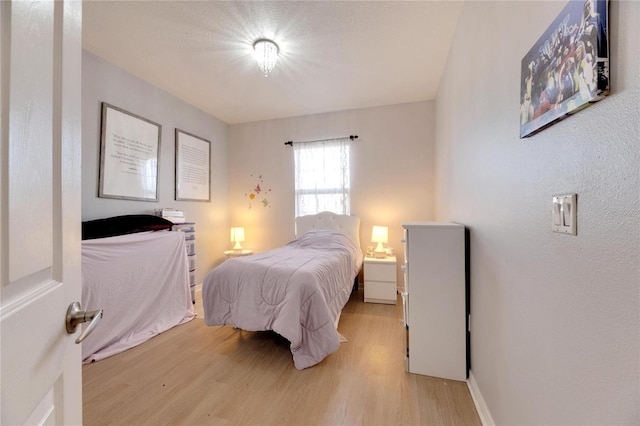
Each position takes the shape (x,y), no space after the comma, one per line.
(322,176)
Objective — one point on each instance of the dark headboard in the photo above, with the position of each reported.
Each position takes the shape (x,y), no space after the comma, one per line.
(122,225)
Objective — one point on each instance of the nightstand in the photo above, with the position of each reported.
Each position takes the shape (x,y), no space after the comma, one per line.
(237,253)
(380,285)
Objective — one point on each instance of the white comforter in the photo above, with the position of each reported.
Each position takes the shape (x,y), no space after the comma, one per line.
(141,281)
(297,291)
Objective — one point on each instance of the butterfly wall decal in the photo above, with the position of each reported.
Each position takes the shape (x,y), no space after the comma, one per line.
(258,190)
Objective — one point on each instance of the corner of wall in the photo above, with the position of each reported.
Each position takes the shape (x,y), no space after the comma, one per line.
(478,401)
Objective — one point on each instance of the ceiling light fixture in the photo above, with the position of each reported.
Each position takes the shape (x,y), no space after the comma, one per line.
(266,53)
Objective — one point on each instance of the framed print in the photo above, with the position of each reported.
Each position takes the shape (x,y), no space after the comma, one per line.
(568,67)
(129,151)
(193,167)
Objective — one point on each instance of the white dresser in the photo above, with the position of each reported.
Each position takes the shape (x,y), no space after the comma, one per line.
(189,230)
(434,299)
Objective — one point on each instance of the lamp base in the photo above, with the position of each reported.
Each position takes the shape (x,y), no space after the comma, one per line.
(380,254)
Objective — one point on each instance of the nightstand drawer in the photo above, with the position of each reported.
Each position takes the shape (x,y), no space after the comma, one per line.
(380,292)
(380,271)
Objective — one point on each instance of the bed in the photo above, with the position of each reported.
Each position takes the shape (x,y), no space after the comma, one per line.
(140,280)
(297,290)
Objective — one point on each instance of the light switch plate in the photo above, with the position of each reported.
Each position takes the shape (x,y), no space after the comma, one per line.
(564,214)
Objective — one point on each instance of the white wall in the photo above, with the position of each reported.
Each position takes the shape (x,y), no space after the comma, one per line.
(392,169)
(104,82)
(555,318)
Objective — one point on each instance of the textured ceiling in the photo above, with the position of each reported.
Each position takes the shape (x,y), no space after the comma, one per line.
(333,55)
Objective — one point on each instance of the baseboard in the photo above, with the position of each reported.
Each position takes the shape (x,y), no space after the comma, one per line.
(478,400)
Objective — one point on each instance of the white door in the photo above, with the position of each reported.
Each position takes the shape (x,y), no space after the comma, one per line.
(40,49)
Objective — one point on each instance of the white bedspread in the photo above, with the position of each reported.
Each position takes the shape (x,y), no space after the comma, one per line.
(141,281)
(297,291)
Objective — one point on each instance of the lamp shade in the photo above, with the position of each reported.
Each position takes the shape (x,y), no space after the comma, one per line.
(237,236)
(380,234)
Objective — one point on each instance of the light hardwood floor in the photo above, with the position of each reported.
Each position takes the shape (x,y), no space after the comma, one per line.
(198,375)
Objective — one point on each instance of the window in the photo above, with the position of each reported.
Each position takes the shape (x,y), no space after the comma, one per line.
(322,176)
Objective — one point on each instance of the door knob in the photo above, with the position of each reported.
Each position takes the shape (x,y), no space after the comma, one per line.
(76,316)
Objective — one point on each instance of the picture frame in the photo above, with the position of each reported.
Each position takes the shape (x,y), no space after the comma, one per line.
(567,69)
(129,155)
(192,168)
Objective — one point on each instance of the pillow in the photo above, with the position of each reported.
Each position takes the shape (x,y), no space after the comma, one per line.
(122,225)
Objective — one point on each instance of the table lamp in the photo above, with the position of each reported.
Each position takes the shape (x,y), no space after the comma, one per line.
(379,235)
(237,236)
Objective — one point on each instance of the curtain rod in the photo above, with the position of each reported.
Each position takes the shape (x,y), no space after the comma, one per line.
(352,137)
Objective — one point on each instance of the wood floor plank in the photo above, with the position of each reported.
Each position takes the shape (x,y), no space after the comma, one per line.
(199,375)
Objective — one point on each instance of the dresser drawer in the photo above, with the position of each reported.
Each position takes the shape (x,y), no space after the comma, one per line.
(380,292)
(380,272)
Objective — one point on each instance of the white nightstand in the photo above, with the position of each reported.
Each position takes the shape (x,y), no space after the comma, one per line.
(237,253)
(380,285)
